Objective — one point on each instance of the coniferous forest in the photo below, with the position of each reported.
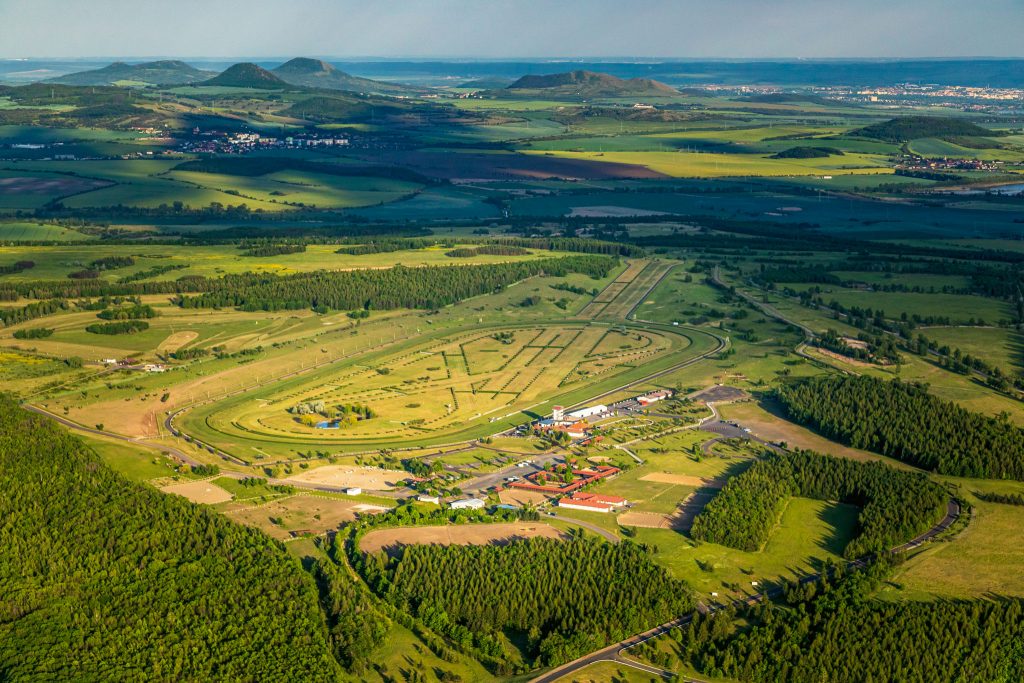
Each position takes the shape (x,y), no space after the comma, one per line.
(905,422)
(835,631)
(104,580)
(566,597)
(895,505)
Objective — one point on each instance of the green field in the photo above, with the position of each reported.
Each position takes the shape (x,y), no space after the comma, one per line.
(700,165)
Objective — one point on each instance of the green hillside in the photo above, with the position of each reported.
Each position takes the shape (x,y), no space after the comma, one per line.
(316,73)
(104,579)
(247,75)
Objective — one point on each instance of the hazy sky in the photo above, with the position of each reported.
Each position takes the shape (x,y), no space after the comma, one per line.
(511,28)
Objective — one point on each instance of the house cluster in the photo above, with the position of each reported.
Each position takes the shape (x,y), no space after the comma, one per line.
(592,502)
(240,143)
(912,162)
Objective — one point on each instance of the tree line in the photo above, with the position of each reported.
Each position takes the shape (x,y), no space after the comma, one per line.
(904,421)
(895,505)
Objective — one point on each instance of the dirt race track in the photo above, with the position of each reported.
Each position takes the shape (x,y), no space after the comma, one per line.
(470,534)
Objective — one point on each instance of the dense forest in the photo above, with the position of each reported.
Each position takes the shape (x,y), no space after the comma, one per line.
(399,287)
(103,579)
(895,505)
(906,422)
(835,631)
(230,287)
(565,597)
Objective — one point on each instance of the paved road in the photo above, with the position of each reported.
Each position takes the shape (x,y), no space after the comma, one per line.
(615,651)
(187,459)
(608,535)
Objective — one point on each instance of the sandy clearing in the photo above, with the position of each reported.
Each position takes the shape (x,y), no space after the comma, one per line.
(647,520)
(464,534)
(682,480)
(175,341)
(521,497)
(372,478)
(203,492)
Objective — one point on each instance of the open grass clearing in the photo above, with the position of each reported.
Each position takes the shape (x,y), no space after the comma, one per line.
(809,532)
(301,513)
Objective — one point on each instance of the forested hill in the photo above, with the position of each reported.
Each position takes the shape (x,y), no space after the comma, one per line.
(906,422)
(906,128)
(102,579)
(591,84)
(247,75)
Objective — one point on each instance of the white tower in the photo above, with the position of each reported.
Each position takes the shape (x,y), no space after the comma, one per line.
(557,413)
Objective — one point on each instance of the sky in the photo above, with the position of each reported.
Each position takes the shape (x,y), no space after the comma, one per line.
(506,29)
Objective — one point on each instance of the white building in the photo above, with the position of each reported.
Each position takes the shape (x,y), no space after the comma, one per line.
(468,504)
(584,413)
(424,498)
(353,491)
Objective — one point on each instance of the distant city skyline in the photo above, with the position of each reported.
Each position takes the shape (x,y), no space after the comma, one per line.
(516,29)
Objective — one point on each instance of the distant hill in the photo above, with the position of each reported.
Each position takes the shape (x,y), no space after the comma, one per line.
(315,73)
(166,72)
(591,84)
(247,75)
(906,128)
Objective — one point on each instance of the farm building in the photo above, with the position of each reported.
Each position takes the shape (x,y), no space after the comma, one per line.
(653,397)
(468,504)
(424,498)
(591,502)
